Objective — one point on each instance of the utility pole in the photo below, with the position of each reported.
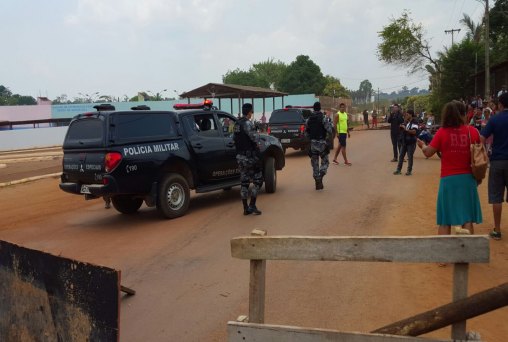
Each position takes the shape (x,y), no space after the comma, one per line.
(487,61)
(378,99)
(475,72)
(452,32)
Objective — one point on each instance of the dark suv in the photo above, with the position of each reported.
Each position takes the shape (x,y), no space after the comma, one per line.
(157,157)
(288,125)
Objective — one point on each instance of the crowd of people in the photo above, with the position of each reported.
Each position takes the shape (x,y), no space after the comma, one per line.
(462,123)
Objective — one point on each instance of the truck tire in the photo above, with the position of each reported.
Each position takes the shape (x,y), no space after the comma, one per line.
(270,175)
(126,204)
(174,196)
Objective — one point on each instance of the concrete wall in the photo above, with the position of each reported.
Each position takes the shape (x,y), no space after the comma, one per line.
(54,136)
(22,113)
(31,138)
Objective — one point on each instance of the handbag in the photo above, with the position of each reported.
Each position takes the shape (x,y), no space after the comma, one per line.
(479,159)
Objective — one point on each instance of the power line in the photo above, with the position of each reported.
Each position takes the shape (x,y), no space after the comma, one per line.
(371,78)
(452,32)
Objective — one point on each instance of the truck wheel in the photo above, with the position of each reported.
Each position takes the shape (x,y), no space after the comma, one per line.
(174,196)
(270,175)
(126,204)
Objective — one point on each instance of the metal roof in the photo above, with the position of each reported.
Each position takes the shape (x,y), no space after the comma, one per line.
(233,91)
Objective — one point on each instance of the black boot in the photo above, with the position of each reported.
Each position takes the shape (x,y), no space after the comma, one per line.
(319,183)
(246,210)
(252,207)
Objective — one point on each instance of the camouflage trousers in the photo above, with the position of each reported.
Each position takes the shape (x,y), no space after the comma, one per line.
(250,171)
(319,150)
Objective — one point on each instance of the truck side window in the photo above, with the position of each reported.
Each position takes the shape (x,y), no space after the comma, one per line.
(227,123)
(203,124)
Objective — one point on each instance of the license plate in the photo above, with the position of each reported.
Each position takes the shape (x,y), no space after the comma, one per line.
(85,189)
(285,141)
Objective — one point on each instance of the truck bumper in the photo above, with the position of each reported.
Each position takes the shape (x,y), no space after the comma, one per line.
(92,190)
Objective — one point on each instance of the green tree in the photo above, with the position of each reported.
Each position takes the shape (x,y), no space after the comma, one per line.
(418,103)
(498,31)
(22,100)
(458,66)
(5,92)
(334,88)
(246,78)
(61,99)
(303,76)
(403,44)
(474,31)
(9,99)
(270,72)
(365,90)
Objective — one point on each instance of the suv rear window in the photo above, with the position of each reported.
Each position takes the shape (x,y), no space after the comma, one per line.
(286,116)
(143,126)
(88,132)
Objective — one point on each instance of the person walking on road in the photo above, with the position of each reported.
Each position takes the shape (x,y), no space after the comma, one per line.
(374,119)
(395,119)
(498,170)
(409,130)
(366,118)
(341,126)
(458,203)
(248,158)
(318,130)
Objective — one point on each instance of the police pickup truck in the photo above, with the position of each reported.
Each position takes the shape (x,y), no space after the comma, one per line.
(157,157)
(288,125)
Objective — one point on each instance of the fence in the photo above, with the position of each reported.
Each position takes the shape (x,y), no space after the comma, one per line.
(459,250)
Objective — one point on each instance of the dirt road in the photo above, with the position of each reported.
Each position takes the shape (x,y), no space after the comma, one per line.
(187,284)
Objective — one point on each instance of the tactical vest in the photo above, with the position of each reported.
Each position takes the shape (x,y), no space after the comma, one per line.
(316,128)
(243,142)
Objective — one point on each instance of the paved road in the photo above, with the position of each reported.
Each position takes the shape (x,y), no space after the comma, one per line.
(188,286)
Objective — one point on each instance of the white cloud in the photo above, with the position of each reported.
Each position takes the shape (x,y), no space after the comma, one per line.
(123,46)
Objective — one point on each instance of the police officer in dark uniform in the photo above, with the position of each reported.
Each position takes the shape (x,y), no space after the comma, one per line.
(396,119)
(319,130)
(248,159)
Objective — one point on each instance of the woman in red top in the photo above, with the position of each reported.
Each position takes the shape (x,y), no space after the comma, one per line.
(457,201)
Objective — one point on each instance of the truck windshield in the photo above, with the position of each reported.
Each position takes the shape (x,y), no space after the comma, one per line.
(87,132)
(286,116)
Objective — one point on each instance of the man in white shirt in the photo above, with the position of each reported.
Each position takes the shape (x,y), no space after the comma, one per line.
(502,91)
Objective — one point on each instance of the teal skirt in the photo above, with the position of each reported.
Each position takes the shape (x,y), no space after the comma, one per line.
(457,201)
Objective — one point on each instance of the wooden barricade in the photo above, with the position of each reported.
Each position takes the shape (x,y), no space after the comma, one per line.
(459,250)
(44,297)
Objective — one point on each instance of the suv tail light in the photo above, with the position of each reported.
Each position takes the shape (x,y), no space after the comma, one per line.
(111,161)
(302,129)
(268,130)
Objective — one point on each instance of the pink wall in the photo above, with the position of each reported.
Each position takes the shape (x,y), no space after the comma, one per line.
(21,113)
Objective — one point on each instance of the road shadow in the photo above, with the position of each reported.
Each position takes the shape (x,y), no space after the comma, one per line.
(111,219)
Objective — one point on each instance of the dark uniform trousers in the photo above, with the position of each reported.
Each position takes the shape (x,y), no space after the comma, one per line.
(250,171)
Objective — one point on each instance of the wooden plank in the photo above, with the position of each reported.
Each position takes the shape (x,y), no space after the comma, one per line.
(50,298)
(440,317)
(257,286)
(250,332)
(460,284)
(451,249)
(128,290)
(257,291)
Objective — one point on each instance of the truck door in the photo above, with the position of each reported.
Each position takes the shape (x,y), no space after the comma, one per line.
(227,123)
(207,144)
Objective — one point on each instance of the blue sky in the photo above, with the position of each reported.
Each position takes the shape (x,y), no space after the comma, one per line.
(120,47)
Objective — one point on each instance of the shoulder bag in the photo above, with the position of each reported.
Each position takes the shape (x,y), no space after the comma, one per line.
(479,159)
